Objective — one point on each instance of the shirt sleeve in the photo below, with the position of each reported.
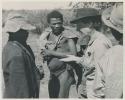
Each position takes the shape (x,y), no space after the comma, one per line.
(100,47)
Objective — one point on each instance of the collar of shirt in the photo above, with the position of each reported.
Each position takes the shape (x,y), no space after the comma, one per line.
(95,35)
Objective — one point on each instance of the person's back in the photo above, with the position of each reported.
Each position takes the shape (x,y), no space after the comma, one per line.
(19,69)
(111,72)
(11,58)
(109,79)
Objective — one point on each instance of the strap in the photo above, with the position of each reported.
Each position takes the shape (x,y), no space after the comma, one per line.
(58,41)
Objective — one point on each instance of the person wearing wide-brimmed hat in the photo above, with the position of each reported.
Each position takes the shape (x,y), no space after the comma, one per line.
(19,69)
(87,22)
(109,79)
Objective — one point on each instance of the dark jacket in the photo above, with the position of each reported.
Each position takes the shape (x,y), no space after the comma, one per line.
(19,71)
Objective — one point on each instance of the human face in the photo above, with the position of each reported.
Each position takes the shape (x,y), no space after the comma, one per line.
(84,27)
(56,24)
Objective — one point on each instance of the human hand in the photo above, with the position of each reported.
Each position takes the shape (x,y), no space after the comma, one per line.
(46,52)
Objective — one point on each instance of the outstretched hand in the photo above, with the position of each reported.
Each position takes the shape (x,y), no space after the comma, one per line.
(71,58)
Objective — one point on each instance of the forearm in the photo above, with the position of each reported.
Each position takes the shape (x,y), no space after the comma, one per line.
(60,54)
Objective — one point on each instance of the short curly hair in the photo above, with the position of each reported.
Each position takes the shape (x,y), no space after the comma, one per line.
(54,14)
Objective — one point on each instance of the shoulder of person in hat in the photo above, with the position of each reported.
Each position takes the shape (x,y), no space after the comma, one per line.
(111,64)
(70,32)
(12,56)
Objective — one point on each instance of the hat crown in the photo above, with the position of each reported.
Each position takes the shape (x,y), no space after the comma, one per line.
(15,22)
(84,12)
(113,17)
(117,15)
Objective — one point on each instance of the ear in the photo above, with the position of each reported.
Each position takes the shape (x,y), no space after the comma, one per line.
(91,25)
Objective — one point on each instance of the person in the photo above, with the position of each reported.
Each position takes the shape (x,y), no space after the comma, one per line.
(82,42)
(56,42)
(18,62)
(109,79)
(87,20)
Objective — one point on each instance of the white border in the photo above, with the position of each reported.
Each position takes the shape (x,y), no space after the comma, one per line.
(60,1)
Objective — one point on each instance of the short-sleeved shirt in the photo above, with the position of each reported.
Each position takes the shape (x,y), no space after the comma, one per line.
(57,43)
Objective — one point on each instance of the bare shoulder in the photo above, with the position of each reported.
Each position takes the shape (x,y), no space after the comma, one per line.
(70,32)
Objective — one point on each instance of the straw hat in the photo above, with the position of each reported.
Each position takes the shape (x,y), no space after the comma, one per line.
(15,22)
(85,13)
(113,17)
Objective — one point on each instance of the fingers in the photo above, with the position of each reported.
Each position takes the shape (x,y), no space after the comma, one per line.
(43,53)
(70,55)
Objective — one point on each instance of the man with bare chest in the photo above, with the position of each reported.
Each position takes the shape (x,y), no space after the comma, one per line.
(58,42)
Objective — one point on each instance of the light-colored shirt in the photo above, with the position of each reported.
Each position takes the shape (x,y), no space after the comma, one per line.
(97,46)
(109,79)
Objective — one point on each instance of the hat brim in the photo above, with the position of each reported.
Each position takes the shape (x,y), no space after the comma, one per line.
(14,26)
(77,20)
(105,18)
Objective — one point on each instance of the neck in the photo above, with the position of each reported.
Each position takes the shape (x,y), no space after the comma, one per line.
(92,32)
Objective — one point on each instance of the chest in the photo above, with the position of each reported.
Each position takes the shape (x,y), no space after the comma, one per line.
(59,42)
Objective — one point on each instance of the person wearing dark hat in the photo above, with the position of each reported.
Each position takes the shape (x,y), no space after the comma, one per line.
(18,61)
(56,42)
(87,21)
(109,79)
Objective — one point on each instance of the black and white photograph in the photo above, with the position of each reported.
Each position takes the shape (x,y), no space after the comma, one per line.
(62,49)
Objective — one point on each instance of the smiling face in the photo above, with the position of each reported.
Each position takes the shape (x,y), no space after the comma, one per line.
(57,25)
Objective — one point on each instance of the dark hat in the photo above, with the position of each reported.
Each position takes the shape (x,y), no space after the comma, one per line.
(85,13)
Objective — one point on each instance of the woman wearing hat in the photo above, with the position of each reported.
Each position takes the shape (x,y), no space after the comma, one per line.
(110,69)
(19,69)
(87,20)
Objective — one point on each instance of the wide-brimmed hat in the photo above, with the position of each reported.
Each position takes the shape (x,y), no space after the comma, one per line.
(113,17)
(85,13)
(15,22)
